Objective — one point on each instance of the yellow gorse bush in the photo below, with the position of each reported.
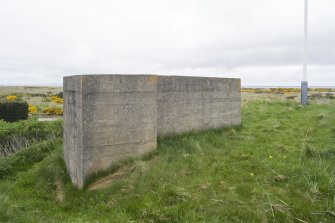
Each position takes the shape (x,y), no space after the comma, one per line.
(57,99)
(11,97)
(32,109)
(53,111)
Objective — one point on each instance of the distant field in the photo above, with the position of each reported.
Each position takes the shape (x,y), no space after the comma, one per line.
(36,95)
(30,90)
(278,166)
(39,97)
(316,95)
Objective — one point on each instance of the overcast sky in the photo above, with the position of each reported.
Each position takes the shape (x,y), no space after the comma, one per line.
(259,41)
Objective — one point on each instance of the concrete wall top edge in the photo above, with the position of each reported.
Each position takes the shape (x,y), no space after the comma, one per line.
(199,77)
(116,83)
(97,75)
(161,76)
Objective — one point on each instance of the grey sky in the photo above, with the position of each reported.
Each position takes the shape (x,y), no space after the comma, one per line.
(259,41)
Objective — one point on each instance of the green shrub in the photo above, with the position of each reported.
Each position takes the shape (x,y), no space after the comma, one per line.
(12,111)
(60,94)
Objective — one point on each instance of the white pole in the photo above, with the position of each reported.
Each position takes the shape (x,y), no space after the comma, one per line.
(306,41)
(304,83)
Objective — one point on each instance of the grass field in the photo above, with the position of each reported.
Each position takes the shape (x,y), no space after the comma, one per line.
(279,166)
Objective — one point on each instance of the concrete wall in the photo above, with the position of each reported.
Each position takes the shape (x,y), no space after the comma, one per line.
(73,138)
(107,118)
(110,117)
(197,103)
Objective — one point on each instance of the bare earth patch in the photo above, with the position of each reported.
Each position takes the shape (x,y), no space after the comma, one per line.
(106,181)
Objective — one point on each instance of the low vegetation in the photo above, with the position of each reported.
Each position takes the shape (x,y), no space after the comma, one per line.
(25,158)
(277,167)
(316,95)
(284,90)
(19,135)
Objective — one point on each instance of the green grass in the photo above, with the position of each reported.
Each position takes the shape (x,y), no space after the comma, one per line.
(25,158)
(17,135)
(277,167)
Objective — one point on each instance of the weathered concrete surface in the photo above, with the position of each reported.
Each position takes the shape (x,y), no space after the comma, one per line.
(73,137)
(107,118)
(110,117)
(197,103)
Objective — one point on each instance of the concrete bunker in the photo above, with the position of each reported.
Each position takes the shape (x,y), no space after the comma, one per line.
(110,117)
